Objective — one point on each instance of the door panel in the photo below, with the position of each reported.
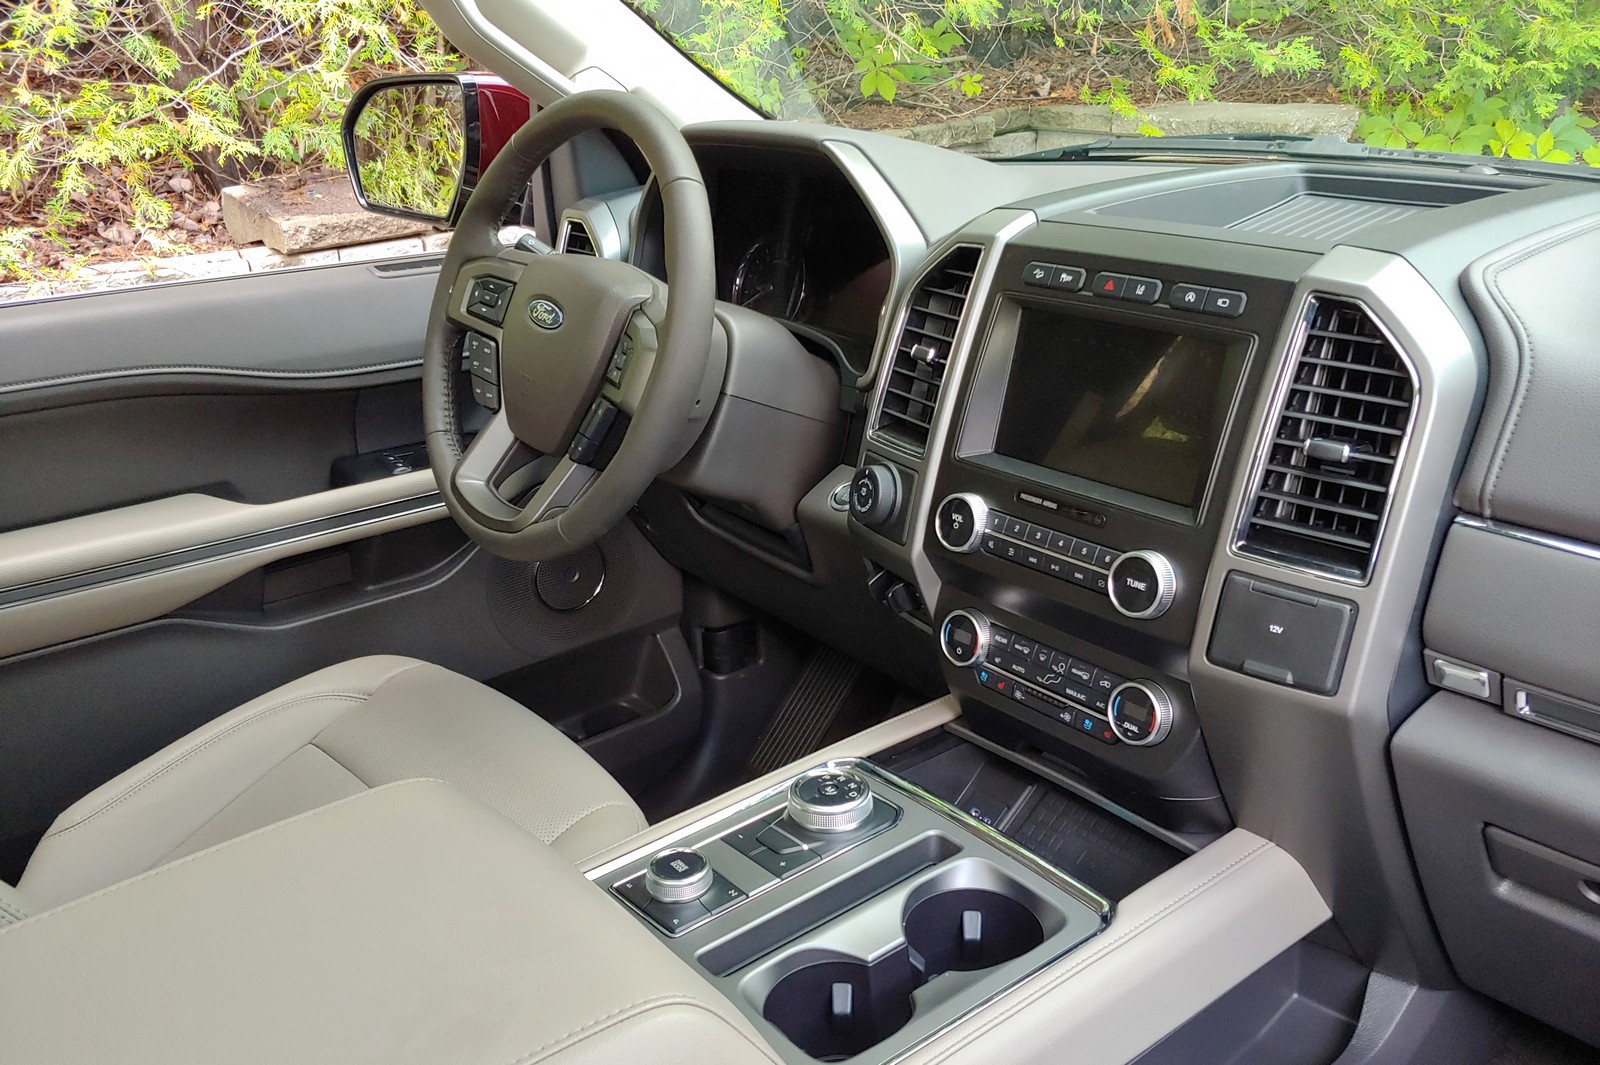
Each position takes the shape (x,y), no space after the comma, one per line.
(173,542)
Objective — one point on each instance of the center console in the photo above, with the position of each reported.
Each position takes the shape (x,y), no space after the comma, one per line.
(1065,483)
(849,909)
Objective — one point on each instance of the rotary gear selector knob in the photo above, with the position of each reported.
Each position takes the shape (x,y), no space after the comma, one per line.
(830,800)
(678,875)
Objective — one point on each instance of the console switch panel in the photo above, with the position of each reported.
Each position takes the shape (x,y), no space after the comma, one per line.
(1282,634)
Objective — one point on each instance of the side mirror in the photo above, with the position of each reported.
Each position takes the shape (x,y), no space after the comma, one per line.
(416,143)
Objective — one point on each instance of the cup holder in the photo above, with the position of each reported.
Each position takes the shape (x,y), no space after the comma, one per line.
(967,918)
(834,1010)
(970,928)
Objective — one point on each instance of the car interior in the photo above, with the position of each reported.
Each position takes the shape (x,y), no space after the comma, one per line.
(776,592)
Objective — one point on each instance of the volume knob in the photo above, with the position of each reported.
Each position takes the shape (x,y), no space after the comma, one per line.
(959,522)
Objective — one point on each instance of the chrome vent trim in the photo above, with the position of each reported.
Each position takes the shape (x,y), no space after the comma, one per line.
(1326,477)
(914,378)
(576,239)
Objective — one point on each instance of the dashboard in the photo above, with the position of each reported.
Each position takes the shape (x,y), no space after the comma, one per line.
(1202,485)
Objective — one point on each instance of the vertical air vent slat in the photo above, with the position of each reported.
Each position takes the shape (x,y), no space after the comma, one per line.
(921,352)
(1330,466)
(575,238)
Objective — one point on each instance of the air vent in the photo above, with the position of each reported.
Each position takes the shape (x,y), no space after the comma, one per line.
(575,238)
(1331,464)
(922,350)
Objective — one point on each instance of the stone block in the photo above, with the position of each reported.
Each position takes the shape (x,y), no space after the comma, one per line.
(295,214)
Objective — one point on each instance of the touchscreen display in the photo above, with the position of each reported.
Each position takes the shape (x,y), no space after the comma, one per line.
(1134,408)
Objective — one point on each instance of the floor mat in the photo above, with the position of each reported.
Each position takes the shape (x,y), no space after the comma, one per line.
(808,712)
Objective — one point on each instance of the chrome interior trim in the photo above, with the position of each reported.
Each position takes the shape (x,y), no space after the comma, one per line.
(1529,536)
(1289,355)
(907,246)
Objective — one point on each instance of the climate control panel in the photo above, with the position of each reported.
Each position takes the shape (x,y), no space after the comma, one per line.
(1087,698)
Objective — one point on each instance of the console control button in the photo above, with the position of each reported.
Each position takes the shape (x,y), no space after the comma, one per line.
(675,917)
(1188,297)
(964,637)
(1141,713)
(1225,303)
(996,522)
(875,495)
(1141,290)
(721,894)
(778,841)
(1067,278)
(830,800)
(960,522)
(782,865)
(1037,275)
(1016,528)
(1109,285)
(745,840)
(678,875)
(1142,584)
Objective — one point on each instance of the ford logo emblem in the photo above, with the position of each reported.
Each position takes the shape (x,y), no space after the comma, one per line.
(545,314)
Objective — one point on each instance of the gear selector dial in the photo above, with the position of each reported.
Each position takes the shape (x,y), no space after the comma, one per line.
(830,800)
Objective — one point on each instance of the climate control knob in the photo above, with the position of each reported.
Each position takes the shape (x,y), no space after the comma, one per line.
(1142,584)
(1141,713)
(679,875)
(959,522)
(875,495)
(964,637)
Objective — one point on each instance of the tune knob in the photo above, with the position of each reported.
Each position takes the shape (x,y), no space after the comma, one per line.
(875,495)
(959,522)
(679,875)
(830,800)
(964,637)
(1140,712)
(1142,584)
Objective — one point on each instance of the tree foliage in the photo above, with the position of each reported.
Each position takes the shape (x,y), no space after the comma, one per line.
(97,90)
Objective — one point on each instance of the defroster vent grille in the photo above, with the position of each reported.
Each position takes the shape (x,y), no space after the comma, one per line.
(1330,467)
(922,350)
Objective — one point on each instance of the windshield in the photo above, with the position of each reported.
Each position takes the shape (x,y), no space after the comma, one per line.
(1008,77)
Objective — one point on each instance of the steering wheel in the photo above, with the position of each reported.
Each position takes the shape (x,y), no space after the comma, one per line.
(589,349)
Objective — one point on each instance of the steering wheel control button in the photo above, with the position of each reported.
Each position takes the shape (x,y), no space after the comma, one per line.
(1188,298)
(1142,584)
(830,800)
(482,357)
(1224,303)
(617,368)
(485,394)
(875,495)
(679,875)
(964,638)
(960,522)
(1141,713)
(488,299)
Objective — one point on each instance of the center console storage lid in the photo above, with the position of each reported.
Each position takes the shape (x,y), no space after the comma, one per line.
(405,924)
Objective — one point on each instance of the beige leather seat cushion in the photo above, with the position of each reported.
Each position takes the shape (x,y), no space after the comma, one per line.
(327,736)
(407,924)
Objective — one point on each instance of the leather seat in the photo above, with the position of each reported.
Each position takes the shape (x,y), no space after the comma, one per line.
(329,735)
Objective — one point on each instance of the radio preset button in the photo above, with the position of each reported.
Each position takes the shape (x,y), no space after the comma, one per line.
(1016,528)
(1060,543)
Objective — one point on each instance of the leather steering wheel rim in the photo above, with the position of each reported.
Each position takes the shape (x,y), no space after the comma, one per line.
(575,504)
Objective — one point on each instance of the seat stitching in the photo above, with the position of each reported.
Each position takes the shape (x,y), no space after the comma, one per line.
(236,726)
(640,1007)
(1101,949)
(596,808)
(163,870)
(11,911)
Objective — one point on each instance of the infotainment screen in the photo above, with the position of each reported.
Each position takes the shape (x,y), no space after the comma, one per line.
(1138,409)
